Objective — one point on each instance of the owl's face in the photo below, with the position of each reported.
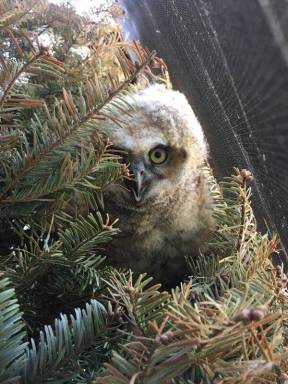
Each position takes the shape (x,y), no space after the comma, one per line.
(161,141)
(153,168)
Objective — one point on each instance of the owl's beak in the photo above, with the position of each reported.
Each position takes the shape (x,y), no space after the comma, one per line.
(140,181)
(139,190)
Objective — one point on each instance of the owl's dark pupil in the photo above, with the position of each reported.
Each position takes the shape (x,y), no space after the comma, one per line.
(157,154)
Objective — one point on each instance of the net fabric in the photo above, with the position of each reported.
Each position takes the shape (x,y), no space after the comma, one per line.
(230,58)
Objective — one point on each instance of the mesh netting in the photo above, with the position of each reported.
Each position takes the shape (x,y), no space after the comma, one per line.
(230,58)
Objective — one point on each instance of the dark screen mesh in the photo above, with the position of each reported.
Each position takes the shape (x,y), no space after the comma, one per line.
(230,58)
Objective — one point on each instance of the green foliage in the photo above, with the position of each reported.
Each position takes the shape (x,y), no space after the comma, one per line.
(78,247)
(55,158)
(12,331)
(57,356)
(143,302)
(226,324)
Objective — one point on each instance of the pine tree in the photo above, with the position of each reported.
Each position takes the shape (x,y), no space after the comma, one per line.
(66,316)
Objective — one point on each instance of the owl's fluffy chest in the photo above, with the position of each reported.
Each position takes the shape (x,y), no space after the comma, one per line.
(156,238)
(152,250)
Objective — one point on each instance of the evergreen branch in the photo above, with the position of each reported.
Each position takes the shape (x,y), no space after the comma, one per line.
(77,249)
(54,147)
(197,341)
(12,332)
(16,77)
(74,174)
(21,33)
(142,302)
(85,235)
(48,63)
(133,77)
(69,166)
(8,17)
(55,357)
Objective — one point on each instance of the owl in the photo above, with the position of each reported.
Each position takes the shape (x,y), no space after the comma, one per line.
(165,210)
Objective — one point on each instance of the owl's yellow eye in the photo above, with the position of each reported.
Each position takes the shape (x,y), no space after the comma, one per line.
(158,155)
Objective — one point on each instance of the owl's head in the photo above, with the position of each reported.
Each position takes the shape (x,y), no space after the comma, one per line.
(161,140)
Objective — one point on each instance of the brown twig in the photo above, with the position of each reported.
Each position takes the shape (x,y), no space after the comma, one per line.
(243,176)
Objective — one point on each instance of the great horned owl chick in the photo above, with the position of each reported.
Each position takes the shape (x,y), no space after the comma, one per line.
(165,213)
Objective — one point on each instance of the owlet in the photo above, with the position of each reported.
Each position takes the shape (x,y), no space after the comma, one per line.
(165,211)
